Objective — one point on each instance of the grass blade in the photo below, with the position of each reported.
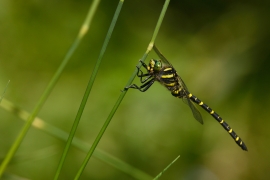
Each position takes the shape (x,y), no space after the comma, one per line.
(105,125)
(48,90)
(3,94)
(62,135)
(149,48)
(160,174)
(117,12)
(84,28)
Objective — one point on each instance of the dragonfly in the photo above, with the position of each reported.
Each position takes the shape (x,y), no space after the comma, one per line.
(163,72)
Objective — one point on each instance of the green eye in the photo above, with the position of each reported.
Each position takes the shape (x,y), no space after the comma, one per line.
(157,65)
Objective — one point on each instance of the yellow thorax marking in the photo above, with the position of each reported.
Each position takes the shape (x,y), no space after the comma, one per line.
(167,76)
(201,103)
(167,69)
(170,84)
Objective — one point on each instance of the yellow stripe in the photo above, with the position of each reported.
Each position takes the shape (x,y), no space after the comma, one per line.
(201,103)
(230,131)
(241,142)
(221,122)
(167,76)
(212,112)
(171,84)
(236,139)
(167,69)
(190,95)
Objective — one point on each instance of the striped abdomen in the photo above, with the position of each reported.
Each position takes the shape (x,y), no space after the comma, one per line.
(169,78)
(237,139)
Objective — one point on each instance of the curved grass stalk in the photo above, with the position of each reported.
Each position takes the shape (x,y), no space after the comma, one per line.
(62,135)
(49,88)
(160,174)
(88,89)
(85,26)
(106,123)
(3,94)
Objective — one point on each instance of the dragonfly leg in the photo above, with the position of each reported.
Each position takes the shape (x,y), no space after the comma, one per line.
(144,65)
(143,87)
(143,75)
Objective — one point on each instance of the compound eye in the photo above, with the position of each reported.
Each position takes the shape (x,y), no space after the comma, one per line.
(158,65)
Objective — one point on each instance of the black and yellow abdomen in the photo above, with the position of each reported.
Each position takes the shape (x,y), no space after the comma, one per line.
(237,139)
(169,78)
(163,72)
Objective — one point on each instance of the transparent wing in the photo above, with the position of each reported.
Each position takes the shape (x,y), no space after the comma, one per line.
(181,82)
(160,55)
(196,114)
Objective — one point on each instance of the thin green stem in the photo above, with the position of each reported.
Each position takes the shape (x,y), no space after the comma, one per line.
(48,90)
(84,29)
(117,12)
(122,95)
(62,135)
(160,174)
(150,46)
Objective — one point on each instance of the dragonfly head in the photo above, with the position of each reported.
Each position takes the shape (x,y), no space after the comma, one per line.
(155,65)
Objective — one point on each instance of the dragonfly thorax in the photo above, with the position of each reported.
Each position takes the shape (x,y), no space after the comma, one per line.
(155,65)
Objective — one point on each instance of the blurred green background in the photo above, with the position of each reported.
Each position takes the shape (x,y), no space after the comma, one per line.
(220,48)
